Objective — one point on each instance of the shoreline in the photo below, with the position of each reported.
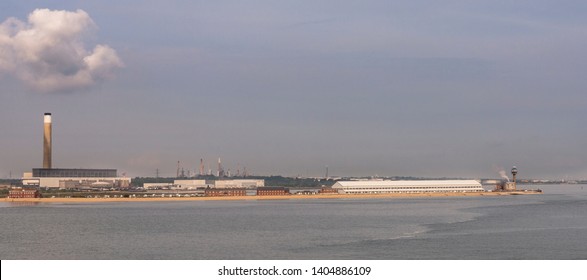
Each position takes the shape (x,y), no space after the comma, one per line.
(256,197)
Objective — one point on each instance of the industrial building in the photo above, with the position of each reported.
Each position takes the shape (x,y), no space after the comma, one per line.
(430,186)
(239,183)
(272,191)
(508,186)
(225,192)
(190,184)
(327,190)
(69,178)
(23,193)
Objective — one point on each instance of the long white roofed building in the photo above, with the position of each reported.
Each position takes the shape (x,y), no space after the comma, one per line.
(434,186)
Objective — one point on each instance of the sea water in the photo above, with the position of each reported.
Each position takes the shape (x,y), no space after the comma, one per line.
(552,225)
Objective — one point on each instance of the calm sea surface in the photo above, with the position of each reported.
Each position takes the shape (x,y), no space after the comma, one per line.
(548,226)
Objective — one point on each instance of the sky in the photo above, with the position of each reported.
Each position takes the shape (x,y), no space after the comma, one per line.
(367,88)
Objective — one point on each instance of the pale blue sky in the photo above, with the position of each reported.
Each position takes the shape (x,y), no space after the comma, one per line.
(412,88)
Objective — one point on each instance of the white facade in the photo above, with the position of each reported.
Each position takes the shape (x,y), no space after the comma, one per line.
(239,183)
(370,187)
(189,184)
(65,182)
(29,180)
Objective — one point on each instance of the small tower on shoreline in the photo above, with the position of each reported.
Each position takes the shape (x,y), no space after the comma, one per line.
(511,186)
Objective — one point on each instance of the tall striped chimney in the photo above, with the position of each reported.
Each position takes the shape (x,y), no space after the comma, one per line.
(47,141)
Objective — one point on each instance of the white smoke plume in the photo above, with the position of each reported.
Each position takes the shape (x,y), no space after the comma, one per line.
(47,52)
(504,175)
(501,172)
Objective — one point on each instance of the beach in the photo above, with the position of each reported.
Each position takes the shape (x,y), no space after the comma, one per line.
(257,197)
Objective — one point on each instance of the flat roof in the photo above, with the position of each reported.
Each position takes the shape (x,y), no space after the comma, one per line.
(73,172)
(408,183)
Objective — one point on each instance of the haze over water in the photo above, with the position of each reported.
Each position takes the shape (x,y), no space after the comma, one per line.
(548,226)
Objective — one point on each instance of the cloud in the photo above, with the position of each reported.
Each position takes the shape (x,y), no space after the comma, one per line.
(48,54)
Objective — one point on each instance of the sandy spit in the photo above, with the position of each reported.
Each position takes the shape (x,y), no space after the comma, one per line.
(280,197)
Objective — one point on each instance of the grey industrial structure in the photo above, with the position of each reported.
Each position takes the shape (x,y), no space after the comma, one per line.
(192,184)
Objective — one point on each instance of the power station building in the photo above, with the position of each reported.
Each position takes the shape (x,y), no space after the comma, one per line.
(68,178)
(429,186)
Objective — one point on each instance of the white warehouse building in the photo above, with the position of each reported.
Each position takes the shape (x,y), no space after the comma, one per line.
(239,183)
(372,187)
